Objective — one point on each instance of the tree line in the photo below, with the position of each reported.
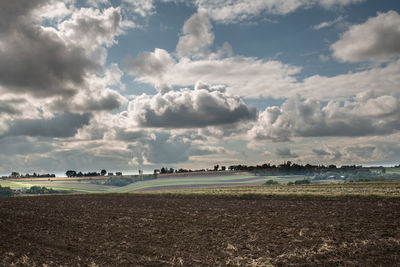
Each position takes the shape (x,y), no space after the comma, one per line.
(15,174)
(73,173)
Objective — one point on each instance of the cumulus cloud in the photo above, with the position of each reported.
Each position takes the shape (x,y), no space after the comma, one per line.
(242,10)
(34,59)
(60,126)
(197,37)
(365,116)
(383,80)
(151,67)
(246,76)
(88,26)
(189,108)
(378,39)
(253,78)
(60,62)
(54,10)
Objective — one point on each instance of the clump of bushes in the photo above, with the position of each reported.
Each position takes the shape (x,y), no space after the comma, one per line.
(6,191)
(297,182)
(119,181)
(271,182)
(42,190)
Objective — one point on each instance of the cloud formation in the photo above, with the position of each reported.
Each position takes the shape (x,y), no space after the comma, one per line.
(378,39)
(34,59)
(242,10)
(247,76)
(367,115)
(204,106)
(196,38)
(60,126)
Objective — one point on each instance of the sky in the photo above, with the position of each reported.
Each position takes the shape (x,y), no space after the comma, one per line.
(139,84)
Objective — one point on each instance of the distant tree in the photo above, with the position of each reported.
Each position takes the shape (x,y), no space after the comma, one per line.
(70,173)
(79,174)
(271,182)
(216,167)
(103,172)
(119,181)
(14,174)
(156,171)
(223,168)
(305,181)
(163,170)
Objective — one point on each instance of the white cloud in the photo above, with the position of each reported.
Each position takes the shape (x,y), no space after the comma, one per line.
(94,30)
(55,10)
(143,8)
(190,108)
(382,80)
(366,115)
(378,39)
(241,10)
(327,24)
(246,76)
(197,37)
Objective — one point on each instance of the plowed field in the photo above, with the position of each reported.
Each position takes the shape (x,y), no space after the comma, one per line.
(198,230)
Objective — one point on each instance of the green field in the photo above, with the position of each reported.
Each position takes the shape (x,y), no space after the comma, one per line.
(232,184)
(393,170)
(88,186)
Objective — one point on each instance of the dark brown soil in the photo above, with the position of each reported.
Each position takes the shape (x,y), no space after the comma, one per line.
(159,230)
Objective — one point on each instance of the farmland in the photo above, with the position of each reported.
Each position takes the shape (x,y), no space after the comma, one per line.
(162,183)
(167,229)
(378,189)
(228,184)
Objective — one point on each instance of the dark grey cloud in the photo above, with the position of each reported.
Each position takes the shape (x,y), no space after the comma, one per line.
(285,153)
(188,109)
(12,11)
(34,60)
(365,116)
(61,125)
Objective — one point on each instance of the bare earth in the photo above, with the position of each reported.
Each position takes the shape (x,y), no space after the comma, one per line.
(198,230)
